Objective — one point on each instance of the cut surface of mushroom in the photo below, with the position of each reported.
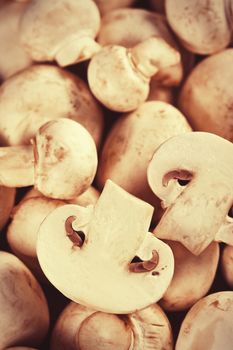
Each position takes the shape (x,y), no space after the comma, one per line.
(212,111)
(130,71)
(24,311)
(227,264)
(208,324)
(59,144)
(110,245)
(45,39)
(192,174)
(79,327)
(42,93)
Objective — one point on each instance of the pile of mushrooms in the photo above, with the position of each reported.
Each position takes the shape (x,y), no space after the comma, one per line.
(116,175)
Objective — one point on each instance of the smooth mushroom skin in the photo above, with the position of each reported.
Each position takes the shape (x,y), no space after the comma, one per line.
(227,265)
(108,243)
(45,39)
(79,327)
(203,27)
(7,200)
(192,174)
(206,97)
(107,6)
(193,276)
(13,57)
(24,311)
(208,324)
(131,143)
(119,78)
(42,93)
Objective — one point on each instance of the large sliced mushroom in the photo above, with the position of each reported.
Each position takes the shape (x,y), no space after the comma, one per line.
(204,27)
(208,324)
(61,162)
(42,93)
(206,97)
(227,265)
(192,174)
(104,254)
(193,276)
(79,327)
(24,311)
(61,30)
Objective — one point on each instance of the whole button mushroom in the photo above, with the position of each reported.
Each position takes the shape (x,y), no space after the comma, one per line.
(42,93)
(206,97)
(61,162)
(107,6)
(203,27)
(193,276)
(79,327)
(208,324)
(24,311)
(130,71)
(227,265)
(60,30)
(13,57)
(192,174)
(114,254)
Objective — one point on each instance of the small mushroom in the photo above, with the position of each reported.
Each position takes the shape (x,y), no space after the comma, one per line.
(203,27)
(42,93)
(206,97)
(130,71)
(193,276)
(208,324)
(13,57)
(192,174)
(107,6)
(227,265)
(24,311)
(61,162)
(105,254)
(60,30)
(79,327)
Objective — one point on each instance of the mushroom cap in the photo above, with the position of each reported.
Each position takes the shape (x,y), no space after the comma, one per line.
(13,57)
(212,111)
(203,27)
(113,237)
(42,93)
(197,211)
(24,311)
(227,264)
(59,145)
(43,36)
(208,324)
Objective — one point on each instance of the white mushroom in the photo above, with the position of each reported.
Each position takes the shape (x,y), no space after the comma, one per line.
(61,162)
(42,93)
(193,276)
(119,77)
(13,57)
(24,311)
(208,325)
(79,327)
(192,174)
(105,254)
(227,265)
(206,97)
(61,30)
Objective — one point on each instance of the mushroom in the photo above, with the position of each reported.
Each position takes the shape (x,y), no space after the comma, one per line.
(24,311)
(208,324)
(112,250)
(42,93)
(203,27)
(130,146)
(192,174)
(79,327)
(130,71)
(7,200)
(13,57)
(61,30)
(206,97)
(107,6)
(61,162)
(227,265)
(193,276)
